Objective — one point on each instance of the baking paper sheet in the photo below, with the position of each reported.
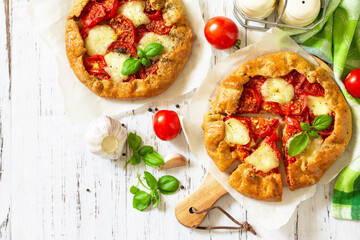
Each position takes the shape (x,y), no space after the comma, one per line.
(270,215)
(49,18)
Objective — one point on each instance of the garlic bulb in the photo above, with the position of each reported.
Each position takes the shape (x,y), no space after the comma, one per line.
(105,137)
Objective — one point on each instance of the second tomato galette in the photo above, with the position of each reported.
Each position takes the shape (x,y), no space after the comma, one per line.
(310,120)
(128,49)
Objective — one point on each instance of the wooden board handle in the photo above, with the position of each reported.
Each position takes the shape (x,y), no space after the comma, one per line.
(204,197)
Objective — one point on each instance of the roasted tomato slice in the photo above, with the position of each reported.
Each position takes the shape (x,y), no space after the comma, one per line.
(124,29)
(256,82)
(271,107)
(93,13)
(95,66)
(313,89)
(296,107)
(250,101)
(99,73)
(140,32)
(131,78)
(110,7)
(121,47)
(85,31)
(296,79)
(152,15)
(144,72)
(261,127)
(158,26)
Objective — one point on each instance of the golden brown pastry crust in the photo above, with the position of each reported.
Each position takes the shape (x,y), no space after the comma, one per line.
(216,147)
(303,172)
(169,65)
(253,185)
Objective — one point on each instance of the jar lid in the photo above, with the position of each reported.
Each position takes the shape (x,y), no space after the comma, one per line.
(301,9)
(256,9)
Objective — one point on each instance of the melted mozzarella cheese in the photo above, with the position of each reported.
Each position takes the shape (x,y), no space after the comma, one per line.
(135,12)
(318,105)
(99,39)
(164,40)
(277,90)
(236,132)
(310,150)
(264,158)
(114,63)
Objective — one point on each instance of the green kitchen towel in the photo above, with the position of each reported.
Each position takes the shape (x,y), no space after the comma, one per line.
(337,41)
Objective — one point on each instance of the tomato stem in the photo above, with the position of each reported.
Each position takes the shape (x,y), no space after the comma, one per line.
(237,44)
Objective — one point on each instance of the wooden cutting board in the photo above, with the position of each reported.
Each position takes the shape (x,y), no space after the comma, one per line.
(209,191)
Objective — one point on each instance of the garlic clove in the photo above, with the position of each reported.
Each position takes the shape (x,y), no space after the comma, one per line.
(106,137)
(173,160)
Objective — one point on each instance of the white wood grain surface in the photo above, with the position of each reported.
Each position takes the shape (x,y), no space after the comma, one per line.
(52,188)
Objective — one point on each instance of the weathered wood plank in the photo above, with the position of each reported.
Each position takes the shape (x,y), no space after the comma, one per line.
(5,120)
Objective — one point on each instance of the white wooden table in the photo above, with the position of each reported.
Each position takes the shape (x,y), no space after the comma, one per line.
(52,188)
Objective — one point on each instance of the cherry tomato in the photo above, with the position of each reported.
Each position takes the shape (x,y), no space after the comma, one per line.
(120,47)
(256,83)
(271,107)
(110,7)
(261,127)
(85,31)
(221,32)
(95,66)
(166,125)
(140,32)
(93,13)
(296,107)
(131,78)
(152,15)
(124,29)
(158,26)
(250,101)
(144,72)
(352,83)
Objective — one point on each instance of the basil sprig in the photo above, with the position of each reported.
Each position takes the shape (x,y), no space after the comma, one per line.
(301,140)
(166,185)
(146,153)
(133,65)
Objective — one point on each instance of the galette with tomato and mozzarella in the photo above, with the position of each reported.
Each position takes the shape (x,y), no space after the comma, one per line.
(277,107)
(128,49)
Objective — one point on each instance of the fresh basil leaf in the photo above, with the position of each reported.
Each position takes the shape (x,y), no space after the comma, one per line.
(140,53)
(145,150)
(305,126)
(146,62)
(151,180)
(298,144)
(134,141)
(322,122)
(155,197)
(130,66)
(153,159)
(141,200)
(134,189)
(168,184)
(153,49)
(135,158)
(312,133)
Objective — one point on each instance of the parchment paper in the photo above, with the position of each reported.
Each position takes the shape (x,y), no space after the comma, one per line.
(270,215)
(49,17)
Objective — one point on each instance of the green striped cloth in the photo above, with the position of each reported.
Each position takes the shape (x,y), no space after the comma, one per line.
(337,41)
